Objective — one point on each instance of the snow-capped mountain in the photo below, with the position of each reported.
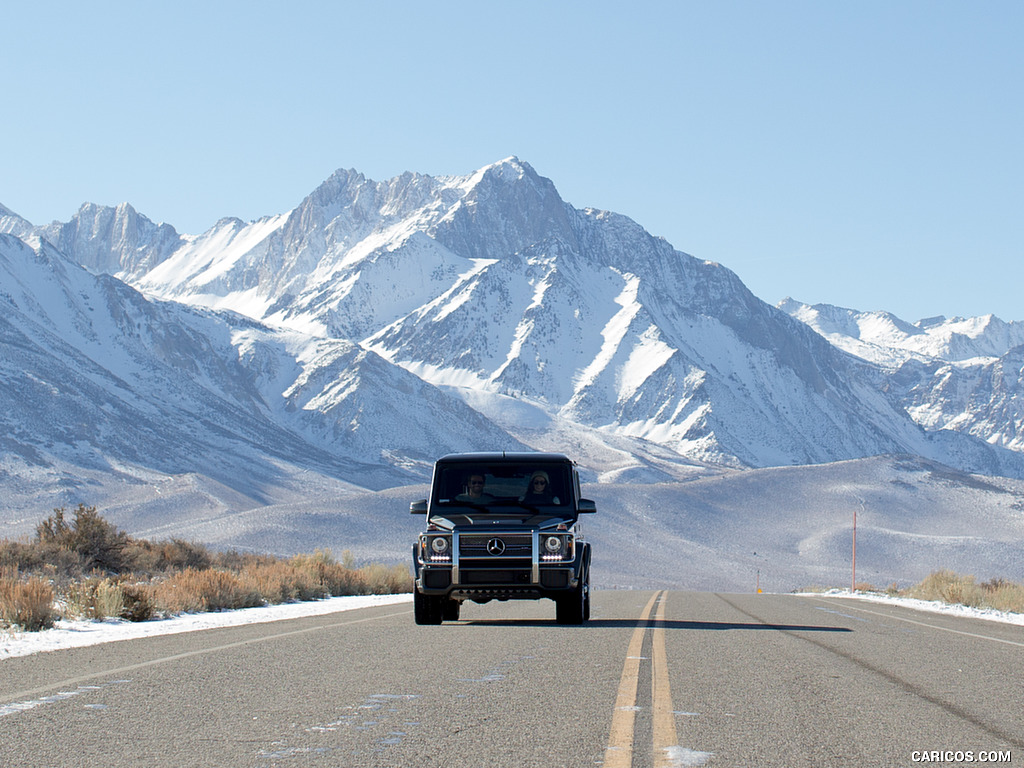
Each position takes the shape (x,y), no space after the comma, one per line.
(13,224)
(116,241)
(100,378)
(888,341)
(380,324)
(961,374)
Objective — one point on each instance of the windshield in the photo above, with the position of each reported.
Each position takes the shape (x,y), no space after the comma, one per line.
(517,489)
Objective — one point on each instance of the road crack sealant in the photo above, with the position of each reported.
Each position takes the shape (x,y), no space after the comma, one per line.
(376,713)
(23,706)
(378,723)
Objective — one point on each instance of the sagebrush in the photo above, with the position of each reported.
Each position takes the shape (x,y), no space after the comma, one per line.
(26,603)
(83,566)
(949,587)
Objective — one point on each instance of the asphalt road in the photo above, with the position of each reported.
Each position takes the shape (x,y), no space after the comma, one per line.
(655,679)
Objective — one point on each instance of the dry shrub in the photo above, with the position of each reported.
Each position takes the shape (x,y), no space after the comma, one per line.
(387,579)
(282,582)
(335,578)
(178,594)
(1004,595)
(93,598)
(235,561)
(964,591)
(138,602)
(98,543)
(99,572)
(39,557)
(194,591)
(167,556)
(949,587)
(13,555)
(26,603)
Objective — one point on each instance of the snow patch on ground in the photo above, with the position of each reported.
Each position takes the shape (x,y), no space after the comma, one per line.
(82,632)
(930,606)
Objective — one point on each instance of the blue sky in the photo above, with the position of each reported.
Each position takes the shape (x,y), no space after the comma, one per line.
(866,154)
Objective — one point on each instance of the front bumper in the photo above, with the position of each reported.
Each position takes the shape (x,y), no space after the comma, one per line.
(522,571)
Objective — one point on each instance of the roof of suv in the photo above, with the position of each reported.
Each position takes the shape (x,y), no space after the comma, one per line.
(497,456)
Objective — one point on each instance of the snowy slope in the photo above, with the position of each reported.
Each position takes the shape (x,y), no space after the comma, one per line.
(885,339)
(13,224)
(491,283)
(963,375)
(99,379)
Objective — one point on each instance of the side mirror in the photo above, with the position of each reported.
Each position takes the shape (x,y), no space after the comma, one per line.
(418,507)
(586,506)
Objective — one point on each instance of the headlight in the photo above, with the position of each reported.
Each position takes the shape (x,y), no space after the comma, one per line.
(557,548)
(436,549)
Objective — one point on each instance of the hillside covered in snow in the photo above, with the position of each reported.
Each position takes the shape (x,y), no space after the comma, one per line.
(957,374)
(338,348)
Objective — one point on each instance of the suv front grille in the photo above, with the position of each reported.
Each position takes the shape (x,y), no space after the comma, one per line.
(496,546)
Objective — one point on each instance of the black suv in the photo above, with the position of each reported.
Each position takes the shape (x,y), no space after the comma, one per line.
(502,526)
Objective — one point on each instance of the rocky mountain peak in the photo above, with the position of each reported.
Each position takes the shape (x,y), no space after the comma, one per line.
(380,322)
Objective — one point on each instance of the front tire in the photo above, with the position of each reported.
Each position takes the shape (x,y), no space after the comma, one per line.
(574,608)
(450,610)
(427,609)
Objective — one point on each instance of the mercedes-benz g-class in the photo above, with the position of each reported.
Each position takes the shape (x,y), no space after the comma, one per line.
(502,526)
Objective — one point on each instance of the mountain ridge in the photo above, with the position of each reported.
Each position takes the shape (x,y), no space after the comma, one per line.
(960,374)
(377,324)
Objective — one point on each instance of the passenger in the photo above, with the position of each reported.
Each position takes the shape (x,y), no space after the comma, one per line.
(539,490)
(475,490)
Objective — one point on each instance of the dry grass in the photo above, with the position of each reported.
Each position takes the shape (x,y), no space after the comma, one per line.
(334,578)
(86,568)
(26,603)
(1004,595)
(946,586)
(864,586)
(191,591)
(949,587)
(385,579)
(93,598)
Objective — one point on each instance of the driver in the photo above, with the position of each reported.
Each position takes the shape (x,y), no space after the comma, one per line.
(475,490)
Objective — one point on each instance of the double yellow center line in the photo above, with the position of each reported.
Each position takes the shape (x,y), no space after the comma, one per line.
(619,753)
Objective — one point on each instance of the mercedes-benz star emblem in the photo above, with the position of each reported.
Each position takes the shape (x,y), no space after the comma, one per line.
(496,546)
